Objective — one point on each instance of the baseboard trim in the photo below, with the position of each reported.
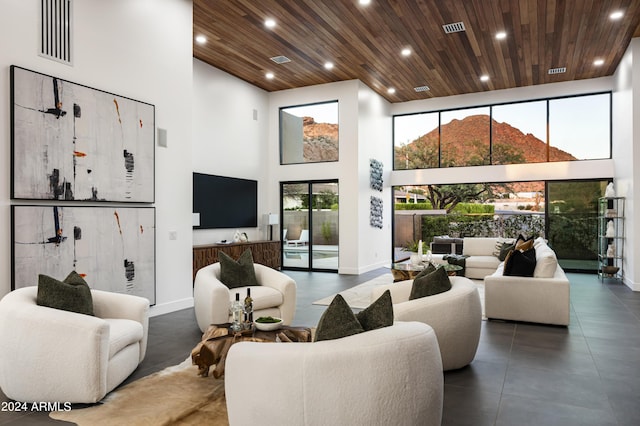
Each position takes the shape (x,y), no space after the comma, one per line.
(166,308)
(362,270)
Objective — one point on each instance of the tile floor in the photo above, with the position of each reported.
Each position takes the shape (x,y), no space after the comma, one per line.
(523,374)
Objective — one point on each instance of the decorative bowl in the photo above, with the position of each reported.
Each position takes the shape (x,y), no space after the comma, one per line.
(610,269)
(268,326)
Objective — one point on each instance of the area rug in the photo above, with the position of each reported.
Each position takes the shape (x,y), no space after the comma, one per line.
(359,297)
(173,396)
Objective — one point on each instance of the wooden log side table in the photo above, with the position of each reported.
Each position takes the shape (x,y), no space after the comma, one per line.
(218,338)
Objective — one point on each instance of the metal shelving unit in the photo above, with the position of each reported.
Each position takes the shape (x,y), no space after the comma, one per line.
(611,238)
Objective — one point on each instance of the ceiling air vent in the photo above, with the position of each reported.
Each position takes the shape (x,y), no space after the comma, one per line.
(422,88)
(456,27)
(280,59)
(557,70)
(55,30)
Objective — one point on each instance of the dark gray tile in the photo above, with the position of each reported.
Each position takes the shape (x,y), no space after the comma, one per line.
(561,360)
(555,387)
(524,411)
(485,376)
(466,406)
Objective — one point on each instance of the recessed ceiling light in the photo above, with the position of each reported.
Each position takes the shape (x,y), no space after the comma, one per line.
(616,15)
(501,35)
(484,78)
(391,90)
(328,65)
(269,23)
(598,62)
(200,39)
(269,75)
(406,51)
(364,2)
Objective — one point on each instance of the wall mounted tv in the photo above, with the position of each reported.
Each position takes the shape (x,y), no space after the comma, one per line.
(225,202)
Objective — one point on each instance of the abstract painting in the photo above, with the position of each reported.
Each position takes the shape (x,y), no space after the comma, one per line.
(113,248)
(72,142)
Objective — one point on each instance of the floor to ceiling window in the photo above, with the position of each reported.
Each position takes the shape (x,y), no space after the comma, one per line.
(310,232)
(563,212)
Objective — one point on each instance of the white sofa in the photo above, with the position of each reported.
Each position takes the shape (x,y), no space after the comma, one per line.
(51,355)
(275,296)
(543,298)
(389,376)
(455,315)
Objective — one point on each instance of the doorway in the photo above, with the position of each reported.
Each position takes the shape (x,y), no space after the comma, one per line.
(310,231)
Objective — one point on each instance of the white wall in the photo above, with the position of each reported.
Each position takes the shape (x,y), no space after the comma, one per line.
(227,141)
(360,247)
(374,141)
(135,48)
(626,106)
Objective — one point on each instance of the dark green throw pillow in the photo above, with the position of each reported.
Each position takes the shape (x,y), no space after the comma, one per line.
(237,274)
(377,315)
(73,294)
(426,271)
(434,283)
(337,321)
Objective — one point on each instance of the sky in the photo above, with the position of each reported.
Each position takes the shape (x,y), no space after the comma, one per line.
(321,113)
(575,125)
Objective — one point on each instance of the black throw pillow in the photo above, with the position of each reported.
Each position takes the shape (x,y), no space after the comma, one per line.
(434,283)
(237,274)
(73,294)
(520,263)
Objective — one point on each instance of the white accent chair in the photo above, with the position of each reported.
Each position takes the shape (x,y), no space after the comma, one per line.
(455,315)
(303,239)
(389,376)
(51,355)
(275,296)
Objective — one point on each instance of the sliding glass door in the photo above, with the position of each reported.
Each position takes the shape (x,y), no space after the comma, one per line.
(310,232)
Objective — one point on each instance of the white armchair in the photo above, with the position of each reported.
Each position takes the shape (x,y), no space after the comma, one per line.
(388,376)
(275,296)
(53,355)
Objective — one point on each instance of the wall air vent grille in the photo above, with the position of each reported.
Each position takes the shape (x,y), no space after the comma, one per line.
(422,88)
(455,27)
(557,70)
(280,59)
(56,30)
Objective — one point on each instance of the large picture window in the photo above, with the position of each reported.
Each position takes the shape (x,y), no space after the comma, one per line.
(465,137)
(309,133)
(554,129)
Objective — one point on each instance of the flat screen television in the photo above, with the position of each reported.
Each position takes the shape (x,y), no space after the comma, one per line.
(225,202)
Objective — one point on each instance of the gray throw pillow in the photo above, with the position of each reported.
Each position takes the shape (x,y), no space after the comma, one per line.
(434,283)
(237,274)
(503,249)
(73,294)
(377,315)
(337,321)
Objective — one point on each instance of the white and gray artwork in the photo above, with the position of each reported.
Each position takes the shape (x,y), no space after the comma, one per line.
(376,174)
(72,142)
(112,248)
(376,212)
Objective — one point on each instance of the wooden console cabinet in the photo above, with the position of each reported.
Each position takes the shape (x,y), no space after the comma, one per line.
(264,252)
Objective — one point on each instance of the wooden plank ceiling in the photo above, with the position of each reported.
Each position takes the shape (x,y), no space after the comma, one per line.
(364,42)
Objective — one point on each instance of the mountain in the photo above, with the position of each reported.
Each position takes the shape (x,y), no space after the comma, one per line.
(466,142)
(320,140)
